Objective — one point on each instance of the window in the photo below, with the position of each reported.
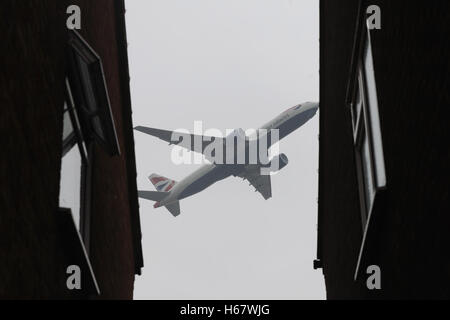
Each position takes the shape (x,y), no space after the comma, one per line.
(68,132)
(73,160)
(70,184)
(367,132)
(72,133)
(87,119)
(362,101)
(91,94)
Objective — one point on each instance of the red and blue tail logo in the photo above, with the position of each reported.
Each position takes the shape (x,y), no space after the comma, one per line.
(161,183)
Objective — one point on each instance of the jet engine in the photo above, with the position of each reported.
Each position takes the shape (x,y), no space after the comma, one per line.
(278,162)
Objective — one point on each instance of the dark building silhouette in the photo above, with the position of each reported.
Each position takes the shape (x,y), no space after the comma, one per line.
(384,154)
(68,174)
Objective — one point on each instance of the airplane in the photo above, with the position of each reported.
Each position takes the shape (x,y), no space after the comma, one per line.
(169,192)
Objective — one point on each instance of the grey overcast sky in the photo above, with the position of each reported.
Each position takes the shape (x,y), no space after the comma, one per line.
(231,64)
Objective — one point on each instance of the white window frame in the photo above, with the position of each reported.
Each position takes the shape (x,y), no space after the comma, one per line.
(91,94)
(366,125)
(75,138)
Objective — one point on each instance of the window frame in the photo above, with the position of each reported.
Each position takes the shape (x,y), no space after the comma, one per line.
(77,138)
(362,124)
(366,124)
(89,84)
(71,139)
(91,94)
(86,98)
(362,130)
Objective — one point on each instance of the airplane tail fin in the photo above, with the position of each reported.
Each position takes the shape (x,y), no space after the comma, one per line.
(162,184)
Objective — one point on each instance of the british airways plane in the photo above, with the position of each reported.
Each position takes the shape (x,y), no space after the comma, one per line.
(170,192)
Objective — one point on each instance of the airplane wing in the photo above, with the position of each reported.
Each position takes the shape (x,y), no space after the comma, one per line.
(261,182)
(191,142)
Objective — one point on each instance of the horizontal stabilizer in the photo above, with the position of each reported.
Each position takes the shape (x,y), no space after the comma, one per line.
(153,195)
(161,134)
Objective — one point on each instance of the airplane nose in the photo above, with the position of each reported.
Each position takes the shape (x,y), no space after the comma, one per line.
(312,107)
(316,106)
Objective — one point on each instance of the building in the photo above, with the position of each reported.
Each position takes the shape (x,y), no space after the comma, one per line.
(384,155)
(69,212)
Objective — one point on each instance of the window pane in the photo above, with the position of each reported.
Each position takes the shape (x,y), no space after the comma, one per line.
(367,172)
(69,194)
(369,74)
(372,109)
(67,126)
(91,100)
